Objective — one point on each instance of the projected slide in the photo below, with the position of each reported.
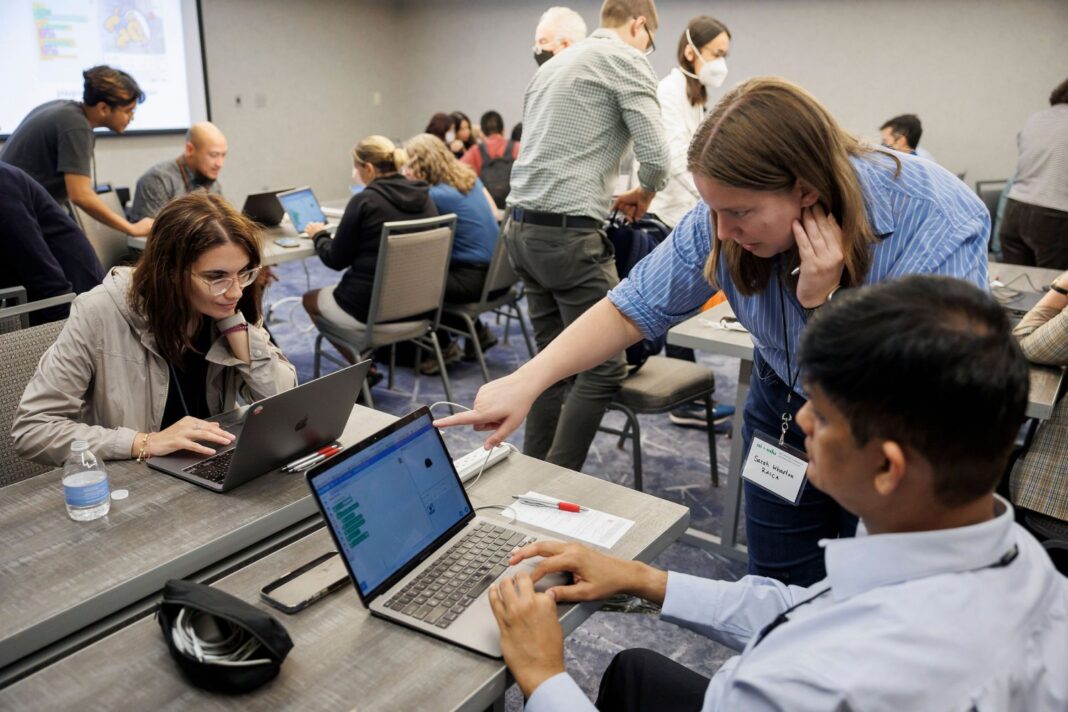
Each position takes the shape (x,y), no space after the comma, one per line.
(53,41)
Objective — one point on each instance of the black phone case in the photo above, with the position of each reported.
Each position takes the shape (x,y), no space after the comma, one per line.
(265,592)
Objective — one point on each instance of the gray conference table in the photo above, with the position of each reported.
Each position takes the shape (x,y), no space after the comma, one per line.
(703,333)
(63,582)
(342,657)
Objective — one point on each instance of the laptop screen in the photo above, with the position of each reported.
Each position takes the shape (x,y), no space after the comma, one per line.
(388,501)
(302,207)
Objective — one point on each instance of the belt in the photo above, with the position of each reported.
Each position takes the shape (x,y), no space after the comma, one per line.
(532,217)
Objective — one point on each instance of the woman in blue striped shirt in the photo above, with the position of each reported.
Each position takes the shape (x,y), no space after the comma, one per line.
(799,209)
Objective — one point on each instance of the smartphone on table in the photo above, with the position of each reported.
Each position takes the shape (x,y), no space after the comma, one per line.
(287,242)
(302,587)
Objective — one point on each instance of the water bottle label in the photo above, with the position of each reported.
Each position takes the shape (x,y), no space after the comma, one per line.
(88,495)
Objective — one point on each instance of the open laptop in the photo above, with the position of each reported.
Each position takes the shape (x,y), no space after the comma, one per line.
(264,208)
(272,432)
(1018,304)
(303,207)
(410,538)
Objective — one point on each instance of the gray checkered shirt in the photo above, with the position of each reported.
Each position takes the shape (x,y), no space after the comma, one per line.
(580,112)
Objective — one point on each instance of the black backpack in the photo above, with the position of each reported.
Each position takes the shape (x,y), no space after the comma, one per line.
(632,242)
(497,172)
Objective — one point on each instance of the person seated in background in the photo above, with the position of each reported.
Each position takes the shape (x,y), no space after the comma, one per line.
(388,196)
(55,142)
(517,132)
(443,126)
(41,247)
(197,168)
(941,602)
(463,136)
(1037,481)
(455,188)
(558,29)
(488,152)
(902,133)
(157,348)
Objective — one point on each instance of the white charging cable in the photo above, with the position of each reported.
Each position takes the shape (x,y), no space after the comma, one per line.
(489,452)
(199,635)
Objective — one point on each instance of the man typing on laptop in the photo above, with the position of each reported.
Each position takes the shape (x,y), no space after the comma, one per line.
(917,391)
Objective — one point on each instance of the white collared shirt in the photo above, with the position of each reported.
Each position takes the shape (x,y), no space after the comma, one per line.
(912,621)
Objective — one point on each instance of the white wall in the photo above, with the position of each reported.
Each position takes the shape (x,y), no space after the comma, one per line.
(973,71)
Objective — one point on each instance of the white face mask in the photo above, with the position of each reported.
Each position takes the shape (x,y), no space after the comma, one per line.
(712,74)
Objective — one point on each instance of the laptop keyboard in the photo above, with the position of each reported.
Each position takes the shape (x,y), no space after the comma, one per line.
(214,468)
(452,583)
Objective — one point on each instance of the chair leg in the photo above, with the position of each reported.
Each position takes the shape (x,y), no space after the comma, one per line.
(370,401)
(713,459)
(523,328)
(624,434)
(473,335)
(632,419)
(392,365)
(318,361)
(441,369)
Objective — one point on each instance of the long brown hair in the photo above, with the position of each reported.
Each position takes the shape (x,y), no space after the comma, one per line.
(767,134)
(431,160)
(703,29)
(186,228)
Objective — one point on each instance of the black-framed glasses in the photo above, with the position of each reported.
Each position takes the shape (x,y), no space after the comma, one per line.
(652,45)
(222,285)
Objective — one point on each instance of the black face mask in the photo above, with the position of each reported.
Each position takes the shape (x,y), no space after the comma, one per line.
(542,56)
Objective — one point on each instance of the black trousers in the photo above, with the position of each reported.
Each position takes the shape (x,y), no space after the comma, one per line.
(1034,236)
(641,679)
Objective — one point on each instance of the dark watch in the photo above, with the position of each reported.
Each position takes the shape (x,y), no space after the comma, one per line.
(1058,288)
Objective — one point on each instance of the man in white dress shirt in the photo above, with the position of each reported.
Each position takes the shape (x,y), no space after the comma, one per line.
(941,602)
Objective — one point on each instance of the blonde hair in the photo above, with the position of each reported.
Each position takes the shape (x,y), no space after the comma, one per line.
(616,13)
(431,160)
(379,151)
(767,134)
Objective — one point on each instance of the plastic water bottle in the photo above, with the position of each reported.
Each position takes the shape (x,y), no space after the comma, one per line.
(85,484)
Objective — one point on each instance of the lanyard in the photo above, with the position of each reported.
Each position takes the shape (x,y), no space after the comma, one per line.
(791,374)
(1007,558)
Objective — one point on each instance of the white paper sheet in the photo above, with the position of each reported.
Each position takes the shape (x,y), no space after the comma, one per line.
(592,526)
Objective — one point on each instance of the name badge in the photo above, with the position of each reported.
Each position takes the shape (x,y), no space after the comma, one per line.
(780,469)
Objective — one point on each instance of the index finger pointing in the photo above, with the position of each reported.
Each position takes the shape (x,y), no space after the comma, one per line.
(469,417)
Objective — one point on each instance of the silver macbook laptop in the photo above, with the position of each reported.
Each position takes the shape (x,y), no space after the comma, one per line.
(410,538)
(303,207)
(272,432)
(1018,304)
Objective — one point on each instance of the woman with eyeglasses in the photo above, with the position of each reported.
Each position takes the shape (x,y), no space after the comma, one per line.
(154,350)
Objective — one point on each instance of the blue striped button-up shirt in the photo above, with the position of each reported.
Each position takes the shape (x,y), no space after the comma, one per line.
(926,221)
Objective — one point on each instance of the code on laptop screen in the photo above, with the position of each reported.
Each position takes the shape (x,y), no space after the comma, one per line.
(391,500)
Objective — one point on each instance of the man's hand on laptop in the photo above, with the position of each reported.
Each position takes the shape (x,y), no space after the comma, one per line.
(594,575)
(187,434)
(531,639)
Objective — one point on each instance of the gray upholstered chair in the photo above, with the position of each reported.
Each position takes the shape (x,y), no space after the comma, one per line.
(500,295)
(15,310)
(406,299)
(22,350)
(111,245)
(661,385)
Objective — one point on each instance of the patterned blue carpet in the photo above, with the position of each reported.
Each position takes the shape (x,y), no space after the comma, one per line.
(675,464)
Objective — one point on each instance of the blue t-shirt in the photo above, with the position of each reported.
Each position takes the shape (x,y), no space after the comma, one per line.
(476,226)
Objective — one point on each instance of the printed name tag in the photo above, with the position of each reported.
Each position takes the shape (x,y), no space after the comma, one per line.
(780,469)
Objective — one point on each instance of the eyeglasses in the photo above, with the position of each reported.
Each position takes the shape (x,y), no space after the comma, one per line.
(652,45)
(225,284)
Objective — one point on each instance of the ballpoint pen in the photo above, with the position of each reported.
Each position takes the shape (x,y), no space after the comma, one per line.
(296,464)
(552,504)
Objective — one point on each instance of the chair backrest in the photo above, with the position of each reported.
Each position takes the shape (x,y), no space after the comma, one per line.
(17,315)
(110,244)
(413,263)
(22,350)
(500,275)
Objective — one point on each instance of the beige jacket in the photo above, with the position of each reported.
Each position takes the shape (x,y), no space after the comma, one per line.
(103,380)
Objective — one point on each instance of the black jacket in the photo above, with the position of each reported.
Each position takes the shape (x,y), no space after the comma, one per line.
(41,248)
(355,244)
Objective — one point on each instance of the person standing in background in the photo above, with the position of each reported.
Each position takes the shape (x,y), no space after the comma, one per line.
(196,169)
(581,112)
(55,142)
(902,133)
(558,29)
(1034,231)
